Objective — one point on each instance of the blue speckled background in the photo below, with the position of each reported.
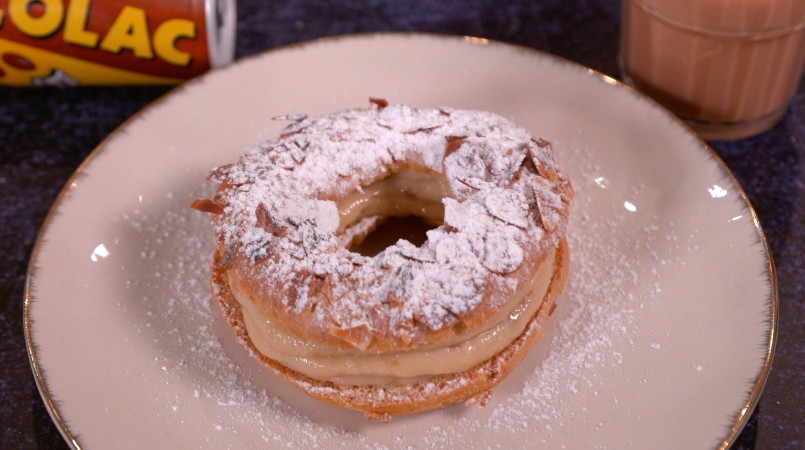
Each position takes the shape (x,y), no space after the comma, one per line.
(46,133)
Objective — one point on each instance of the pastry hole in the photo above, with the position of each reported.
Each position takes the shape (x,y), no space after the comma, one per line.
(406,204)
(411,228)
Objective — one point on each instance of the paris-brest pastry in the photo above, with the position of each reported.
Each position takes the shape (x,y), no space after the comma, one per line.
(411,328)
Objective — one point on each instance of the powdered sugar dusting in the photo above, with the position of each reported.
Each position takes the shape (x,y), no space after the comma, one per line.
(280,215)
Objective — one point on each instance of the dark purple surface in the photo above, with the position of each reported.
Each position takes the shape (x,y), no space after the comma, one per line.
(46,133)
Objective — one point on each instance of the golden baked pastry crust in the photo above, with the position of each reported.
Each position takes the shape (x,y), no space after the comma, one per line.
(279,218)
(381,401)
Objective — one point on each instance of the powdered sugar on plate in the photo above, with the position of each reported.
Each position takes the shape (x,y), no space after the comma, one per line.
(200,357)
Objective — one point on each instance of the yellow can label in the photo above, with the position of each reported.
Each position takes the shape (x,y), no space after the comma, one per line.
(101,42)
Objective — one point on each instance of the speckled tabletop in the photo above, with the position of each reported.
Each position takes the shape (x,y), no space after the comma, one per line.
(46,133)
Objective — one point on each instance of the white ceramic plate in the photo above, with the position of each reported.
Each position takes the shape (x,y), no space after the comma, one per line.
(663,338)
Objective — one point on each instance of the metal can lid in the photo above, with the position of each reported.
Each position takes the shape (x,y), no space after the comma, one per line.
(221,18)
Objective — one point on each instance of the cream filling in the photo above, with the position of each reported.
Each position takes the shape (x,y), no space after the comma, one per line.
(404,193)
(463,351)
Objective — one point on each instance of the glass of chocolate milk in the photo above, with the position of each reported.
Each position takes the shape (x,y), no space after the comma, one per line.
(728,67)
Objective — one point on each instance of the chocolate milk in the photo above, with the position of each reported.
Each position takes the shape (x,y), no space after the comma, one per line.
(729,67)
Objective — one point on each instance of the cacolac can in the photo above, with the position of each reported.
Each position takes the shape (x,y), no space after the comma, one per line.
(86,42)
